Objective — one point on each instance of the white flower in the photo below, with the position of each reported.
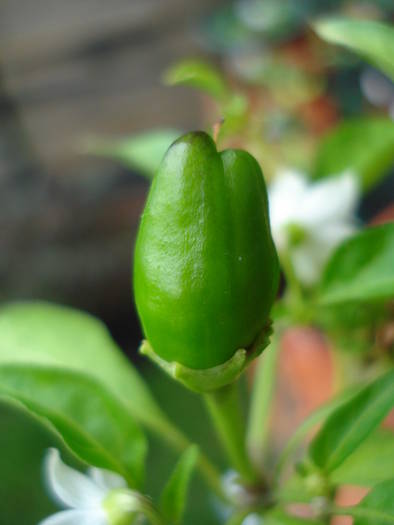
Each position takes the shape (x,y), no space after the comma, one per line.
(84,496)
(234,489)
(309,219)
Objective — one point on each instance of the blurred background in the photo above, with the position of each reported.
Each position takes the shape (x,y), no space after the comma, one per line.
(81,85)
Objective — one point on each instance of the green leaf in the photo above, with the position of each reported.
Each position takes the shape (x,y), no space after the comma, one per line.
(344,147)
(173,499)
(372,40)
(361,269)
(278,517)
(377,508)
(370,464)
(197,74)
(351,423)
(39,333)
(274,517)
(93,424)
(314,419)
(143,152)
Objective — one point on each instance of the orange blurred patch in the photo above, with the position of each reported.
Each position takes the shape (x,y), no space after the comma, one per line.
(347,496)
(305,379)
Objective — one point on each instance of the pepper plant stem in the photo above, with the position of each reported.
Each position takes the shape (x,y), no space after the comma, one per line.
(224,407)
(261,401)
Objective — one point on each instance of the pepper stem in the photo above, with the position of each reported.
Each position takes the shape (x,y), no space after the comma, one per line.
(261,402)
(224,407)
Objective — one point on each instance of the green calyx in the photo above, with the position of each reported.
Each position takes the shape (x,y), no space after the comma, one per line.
(205,267)
(127,507)
(124,506)
(209,379)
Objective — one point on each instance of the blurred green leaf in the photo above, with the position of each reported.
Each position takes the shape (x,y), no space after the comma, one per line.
(197,74)
(361,269)
(377,508)
(371,463)
(278,517)
(39,333)
(372,40)
(321,413)
(353,326)
(364,145)
(351,423)
(173,498)
(143,152)
(93,424)
(23,442)
(294,489)
(234,112)
(269,71)
(274,517)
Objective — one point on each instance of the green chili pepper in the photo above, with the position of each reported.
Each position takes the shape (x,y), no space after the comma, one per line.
(205,268)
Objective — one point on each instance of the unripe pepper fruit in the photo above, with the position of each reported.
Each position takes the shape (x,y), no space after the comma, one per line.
(205,267)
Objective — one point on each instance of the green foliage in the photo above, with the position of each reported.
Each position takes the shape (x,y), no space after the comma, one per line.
(234,112)
(273,517)
(377,508)
(351,423)
(42,334)
(93,424)
(173,498)
(143,152)
(314,419)
(370,464)
(197,74)
(372,40)
(352,326)
(361,269)
(189,414)
(278,517)
(23,442)
(364,145)
(233,106)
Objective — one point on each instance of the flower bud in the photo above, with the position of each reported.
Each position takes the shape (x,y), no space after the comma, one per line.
(125,507)
(205,269)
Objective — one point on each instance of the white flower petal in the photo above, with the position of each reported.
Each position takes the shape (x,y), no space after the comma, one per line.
(310,258)
(325,212)
(332,234)
(76,517)
(334,198)
(287,188)
(70,487)
(286,194)
(106,479)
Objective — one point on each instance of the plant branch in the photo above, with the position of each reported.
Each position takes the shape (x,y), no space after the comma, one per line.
(224,407)
(261,401)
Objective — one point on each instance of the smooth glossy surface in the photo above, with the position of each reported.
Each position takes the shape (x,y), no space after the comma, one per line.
(205,270)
